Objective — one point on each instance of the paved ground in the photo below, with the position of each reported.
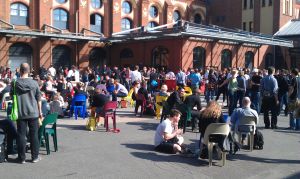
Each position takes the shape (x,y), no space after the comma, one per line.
(129,154)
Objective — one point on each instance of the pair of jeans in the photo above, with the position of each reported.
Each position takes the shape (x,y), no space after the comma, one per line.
(232,97)
(255,98)
(33,125)
(119,94)
(209,95)
(283,100)
(294,123)
(269,104)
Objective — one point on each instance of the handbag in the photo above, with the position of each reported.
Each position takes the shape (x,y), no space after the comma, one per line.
(14,111)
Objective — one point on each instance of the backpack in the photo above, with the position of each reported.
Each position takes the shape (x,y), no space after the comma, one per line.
(2,147)
(258,140)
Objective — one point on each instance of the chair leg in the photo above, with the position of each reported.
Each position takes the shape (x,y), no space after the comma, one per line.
(75,113)
(55,142)
(114,122)
(224,157)
(106,122)
(251,138)
(47,144)
(210,152)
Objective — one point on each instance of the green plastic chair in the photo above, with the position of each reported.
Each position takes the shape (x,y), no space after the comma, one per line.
(45,131)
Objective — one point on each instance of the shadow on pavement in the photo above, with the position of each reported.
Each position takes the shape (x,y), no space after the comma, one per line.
(263,160)
(72,127)
(145,147)
(294,176)
(144,125)
(288,131)
(156,157)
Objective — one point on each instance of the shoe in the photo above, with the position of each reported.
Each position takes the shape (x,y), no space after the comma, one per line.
(267,127)
(36,160)
(274,127)
(21,161)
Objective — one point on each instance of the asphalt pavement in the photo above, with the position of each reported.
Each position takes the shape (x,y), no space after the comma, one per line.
(130,154)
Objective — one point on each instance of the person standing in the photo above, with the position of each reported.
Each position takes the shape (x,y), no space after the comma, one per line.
(29,110)
(269,91)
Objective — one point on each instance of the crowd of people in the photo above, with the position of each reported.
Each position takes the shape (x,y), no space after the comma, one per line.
(253,91)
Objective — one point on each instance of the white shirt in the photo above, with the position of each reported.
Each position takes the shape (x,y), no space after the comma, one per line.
(164,127)
(135,75)
(52,71)
(121,88)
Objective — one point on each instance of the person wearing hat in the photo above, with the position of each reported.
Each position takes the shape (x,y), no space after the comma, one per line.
(254,88)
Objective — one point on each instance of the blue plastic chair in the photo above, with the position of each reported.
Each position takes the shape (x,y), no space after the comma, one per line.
(78,105)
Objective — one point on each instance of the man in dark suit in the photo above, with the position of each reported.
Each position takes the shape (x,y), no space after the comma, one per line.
(192,101)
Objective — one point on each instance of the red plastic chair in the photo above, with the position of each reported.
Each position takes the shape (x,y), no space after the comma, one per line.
(109,110)
(171,84)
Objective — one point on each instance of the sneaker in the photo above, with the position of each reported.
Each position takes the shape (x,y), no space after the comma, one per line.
(36,160)
(20,161)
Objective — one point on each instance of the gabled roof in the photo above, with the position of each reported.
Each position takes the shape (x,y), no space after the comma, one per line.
(292,28)
(200,32)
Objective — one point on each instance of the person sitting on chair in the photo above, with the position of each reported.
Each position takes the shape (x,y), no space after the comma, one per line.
(142,92)
(98,101)
(168,137)
(191,102)
(239,113)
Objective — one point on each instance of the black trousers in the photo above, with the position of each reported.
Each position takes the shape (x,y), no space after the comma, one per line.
(33,125)
(11,132)
(269,104)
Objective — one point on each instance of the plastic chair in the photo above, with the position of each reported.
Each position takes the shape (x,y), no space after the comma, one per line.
(171,84)
(78,104)
(187,91)
(128,98)
(45,131)
(158,104)
(215,133)
(247,126)
(5,100)
(109,111)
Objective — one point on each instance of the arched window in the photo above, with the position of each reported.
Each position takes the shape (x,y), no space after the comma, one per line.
(197,19)
(19,14)
(160,56)
(226,59)
(61,1)
(153,11)
(199,57)
(97,57)
(249,60)
(269,60)
(152,24)
(19,53)
(61,56)
(60,19)
(126,7)
(176,15)
(126,24)
(126,53)
(96,23)
(97,4)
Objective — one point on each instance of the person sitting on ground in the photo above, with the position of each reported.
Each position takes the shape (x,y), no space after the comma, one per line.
(239,113)
(168,137)
(55,106)
(164,90)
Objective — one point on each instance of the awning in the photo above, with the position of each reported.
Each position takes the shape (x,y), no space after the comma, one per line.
(54,33)
(200,32)
(290,29)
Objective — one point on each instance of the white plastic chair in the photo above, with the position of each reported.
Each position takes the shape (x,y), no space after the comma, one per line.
(215,129)
(247,126)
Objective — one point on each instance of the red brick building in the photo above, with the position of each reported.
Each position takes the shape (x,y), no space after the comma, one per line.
(65,32)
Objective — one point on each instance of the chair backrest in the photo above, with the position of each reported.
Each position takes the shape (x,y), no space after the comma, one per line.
(50,119)
(248,120)
(216,128)
(160,99)
(6,97)
(110,105)
(79,98)
(130,92)
(188,90)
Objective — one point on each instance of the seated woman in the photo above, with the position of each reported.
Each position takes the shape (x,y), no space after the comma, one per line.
(211,114)
(56,107)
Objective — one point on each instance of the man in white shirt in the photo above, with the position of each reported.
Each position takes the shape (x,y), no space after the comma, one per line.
(52,71)
(167,136)
(136,75)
